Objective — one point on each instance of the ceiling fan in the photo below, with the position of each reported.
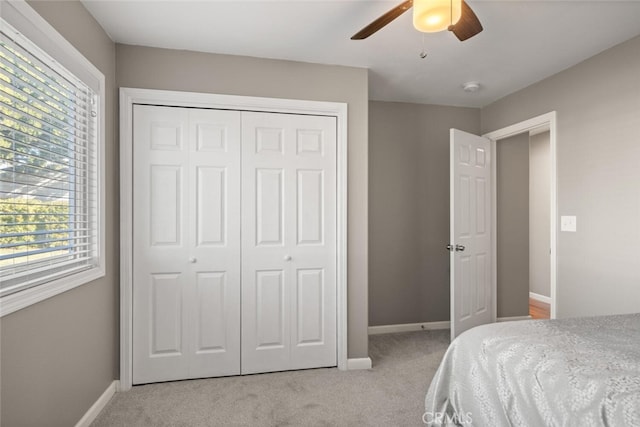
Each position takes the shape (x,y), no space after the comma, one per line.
(431,16)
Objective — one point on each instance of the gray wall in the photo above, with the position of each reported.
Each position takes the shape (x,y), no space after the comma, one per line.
(409,209)
(152,68)
(512,187)
(59,356)
(539,214)
(598,152)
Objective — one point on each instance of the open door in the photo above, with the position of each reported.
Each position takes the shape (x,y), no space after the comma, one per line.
(472,293)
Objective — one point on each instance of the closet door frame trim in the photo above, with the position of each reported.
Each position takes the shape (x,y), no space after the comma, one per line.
(133,96)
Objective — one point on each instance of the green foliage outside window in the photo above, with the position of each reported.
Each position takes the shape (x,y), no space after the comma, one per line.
(33,216)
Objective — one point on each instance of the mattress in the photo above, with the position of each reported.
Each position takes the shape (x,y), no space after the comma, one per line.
(570,372)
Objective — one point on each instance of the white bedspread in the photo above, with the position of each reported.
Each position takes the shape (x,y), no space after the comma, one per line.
(572,372)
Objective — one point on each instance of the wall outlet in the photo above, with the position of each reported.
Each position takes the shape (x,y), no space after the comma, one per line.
(568,223)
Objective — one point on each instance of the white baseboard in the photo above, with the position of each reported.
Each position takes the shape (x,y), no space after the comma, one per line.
(361,363)
(408,327)
(427,326)
(541,298)
(99,405)
(509,319)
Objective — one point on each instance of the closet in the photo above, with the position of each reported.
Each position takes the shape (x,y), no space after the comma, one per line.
(234,242)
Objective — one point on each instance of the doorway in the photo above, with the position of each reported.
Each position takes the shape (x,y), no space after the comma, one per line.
(524,218)
(522,185)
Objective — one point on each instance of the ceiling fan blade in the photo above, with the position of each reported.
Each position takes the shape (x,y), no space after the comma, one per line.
(468,26)
(383,20)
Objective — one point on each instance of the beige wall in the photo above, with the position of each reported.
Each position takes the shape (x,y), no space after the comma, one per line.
(539,214)
(512,191)
(598,106)
(409,209)
(152,68)
(59,355)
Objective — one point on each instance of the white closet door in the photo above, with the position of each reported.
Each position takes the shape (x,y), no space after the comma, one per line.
(186,249)
(288,242)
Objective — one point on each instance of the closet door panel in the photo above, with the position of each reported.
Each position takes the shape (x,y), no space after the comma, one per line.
(186,289)
(265,289)
(214,258)
(211,299)
(270,313)
(269,207)
(160,241)
(313,243)
(288,167)
(212,206)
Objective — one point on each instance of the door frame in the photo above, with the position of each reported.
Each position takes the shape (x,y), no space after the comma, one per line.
(132,96)
(544,120)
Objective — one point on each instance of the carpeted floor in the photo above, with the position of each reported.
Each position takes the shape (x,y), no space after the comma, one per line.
(391,394)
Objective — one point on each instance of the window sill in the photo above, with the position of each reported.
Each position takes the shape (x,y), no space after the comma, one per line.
(14,302)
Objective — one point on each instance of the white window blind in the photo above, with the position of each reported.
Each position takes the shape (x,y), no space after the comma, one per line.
(48,168)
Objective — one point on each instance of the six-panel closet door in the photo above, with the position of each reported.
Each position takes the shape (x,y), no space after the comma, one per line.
(234,243)
(288,242)
(186,243)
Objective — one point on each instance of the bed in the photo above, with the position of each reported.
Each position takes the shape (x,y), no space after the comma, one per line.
(570,372)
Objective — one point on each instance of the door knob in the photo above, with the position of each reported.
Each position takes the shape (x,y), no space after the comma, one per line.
(460,248)
(287,257)
(193,260)
(450,247)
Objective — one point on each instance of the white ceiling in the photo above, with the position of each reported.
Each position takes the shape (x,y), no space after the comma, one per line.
(523,41)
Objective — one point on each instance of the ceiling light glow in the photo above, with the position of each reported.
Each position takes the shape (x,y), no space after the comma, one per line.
(431,16)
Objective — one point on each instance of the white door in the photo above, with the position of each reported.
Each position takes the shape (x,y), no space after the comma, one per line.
(471,285)
(186,243)
(288,242)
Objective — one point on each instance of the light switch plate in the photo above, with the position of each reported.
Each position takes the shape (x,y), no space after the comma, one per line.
(568,223)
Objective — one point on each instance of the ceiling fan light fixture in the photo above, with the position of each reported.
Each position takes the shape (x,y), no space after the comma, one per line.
(431,16)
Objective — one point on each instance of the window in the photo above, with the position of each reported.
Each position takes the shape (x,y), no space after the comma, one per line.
(50,172)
